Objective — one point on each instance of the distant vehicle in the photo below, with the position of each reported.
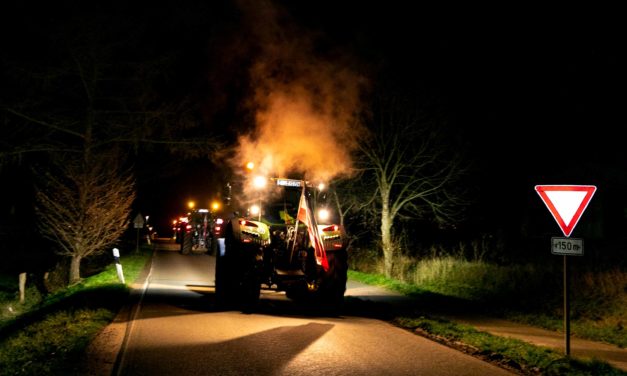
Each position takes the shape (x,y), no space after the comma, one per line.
(198,231)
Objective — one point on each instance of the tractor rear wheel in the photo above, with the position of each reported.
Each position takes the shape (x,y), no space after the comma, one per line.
(186,243)
(332,285)
(226,272)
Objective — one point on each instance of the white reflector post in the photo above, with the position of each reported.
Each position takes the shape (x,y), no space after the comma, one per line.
(118,266)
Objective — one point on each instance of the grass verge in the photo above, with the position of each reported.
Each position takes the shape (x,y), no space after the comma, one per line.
(510,353)
(519,356)
(530,294)
(51,337)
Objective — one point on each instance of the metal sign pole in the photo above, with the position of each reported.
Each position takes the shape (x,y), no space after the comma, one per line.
(566,308)
(138,223)
(566,203)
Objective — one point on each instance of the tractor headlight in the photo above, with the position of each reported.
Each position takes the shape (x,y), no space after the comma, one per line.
(323,215)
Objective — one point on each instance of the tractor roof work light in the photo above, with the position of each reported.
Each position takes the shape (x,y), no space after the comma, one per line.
(255,210)
(324,214)
(215,205)
(259,182)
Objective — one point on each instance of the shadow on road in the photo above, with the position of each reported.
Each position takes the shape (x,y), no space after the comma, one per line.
(240,355)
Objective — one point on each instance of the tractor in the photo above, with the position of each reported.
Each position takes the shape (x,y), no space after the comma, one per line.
(198,232)
(287,242)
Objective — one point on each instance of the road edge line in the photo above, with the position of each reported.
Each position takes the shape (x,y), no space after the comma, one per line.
(132,316)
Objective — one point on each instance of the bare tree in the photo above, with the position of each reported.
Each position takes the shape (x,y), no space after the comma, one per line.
(409,168)
(87,99)
(347,197)
(84,207)
(96,91)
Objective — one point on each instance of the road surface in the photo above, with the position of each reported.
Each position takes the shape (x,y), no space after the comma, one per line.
(178,330)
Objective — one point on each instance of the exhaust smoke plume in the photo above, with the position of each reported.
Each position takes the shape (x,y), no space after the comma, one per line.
(305,106)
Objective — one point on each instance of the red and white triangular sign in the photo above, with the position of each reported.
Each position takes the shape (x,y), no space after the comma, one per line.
(566,203)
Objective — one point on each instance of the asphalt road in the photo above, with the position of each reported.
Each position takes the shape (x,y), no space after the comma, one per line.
(176,329)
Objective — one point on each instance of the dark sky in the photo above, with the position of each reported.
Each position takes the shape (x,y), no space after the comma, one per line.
(538,94)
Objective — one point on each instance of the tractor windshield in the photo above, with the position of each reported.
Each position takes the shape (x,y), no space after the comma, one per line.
(282,202)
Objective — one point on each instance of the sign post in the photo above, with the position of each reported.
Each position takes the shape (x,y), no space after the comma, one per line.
(566,203)
(138,223)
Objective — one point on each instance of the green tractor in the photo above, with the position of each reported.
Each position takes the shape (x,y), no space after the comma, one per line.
(288,243)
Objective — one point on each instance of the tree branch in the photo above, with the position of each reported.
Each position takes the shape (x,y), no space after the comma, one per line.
(46,124)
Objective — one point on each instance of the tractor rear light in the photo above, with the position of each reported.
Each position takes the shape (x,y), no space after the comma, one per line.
(244,222)
(331,228)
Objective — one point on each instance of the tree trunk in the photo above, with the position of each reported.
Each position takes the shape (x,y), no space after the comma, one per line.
(386,243)
(75,269)
(386,235)
(22,285)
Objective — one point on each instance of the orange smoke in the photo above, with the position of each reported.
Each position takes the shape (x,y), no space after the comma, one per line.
(292,136)
(305,106)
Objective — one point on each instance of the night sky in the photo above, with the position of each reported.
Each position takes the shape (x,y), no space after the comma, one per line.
(537,94)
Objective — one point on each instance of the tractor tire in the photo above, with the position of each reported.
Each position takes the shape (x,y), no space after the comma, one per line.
(237,282)
(250,284)
(226,276)
(330,294)
(213,246)
(186,243)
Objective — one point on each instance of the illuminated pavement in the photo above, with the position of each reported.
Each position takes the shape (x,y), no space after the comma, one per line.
(177,330)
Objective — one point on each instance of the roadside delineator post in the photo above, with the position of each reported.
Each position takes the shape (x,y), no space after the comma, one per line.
(118,265)
(566,203)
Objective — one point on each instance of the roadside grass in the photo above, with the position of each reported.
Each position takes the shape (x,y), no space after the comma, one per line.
(511,353)
(52,334)
(525,293)
(10,307)
(53,345)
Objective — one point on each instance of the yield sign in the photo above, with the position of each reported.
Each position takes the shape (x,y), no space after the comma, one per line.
(566,203)
(138,222)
